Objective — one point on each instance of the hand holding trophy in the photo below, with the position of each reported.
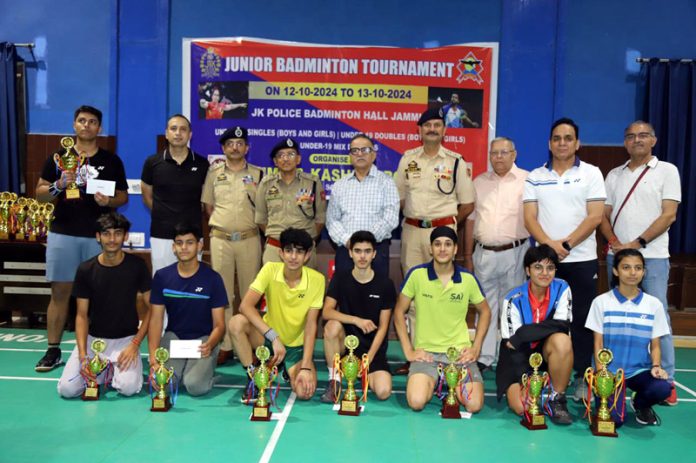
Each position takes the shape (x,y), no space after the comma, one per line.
(92,368)
(604,384)
(160,378)
(263,378)
(351,367)
(71,162)
(533,418)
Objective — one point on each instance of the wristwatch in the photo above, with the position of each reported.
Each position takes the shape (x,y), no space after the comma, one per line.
(566,246)
(642,242)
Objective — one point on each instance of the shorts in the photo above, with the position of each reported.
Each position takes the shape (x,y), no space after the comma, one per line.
(430,368)
(512,364)
(293,355)
(64,253)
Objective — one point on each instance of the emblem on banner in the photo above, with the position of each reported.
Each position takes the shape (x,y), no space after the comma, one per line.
(470,68)
(210,64)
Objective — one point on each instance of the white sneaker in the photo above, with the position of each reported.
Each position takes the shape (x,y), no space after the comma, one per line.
(580,390)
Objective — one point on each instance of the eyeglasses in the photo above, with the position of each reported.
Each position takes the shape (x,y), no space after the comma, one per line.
(639,136)
(501,153)
(540,268)
(286,155)
(362,150)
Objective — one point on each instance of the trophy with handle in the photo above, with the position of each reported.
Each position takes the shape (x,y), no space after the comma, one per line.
(452,375)
(160,378)
(69,161)
(263,379)
(93,368)
(604,384)
(351,367)
(532,385)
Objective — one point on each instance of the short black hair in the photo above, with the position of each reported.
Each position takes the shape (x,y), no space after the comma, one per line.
(296,238)
(112,220)
(567,121)
(89,110)
(361,135)
(539,254)
(184,228)
(621,255)
(363,236)
(181,116)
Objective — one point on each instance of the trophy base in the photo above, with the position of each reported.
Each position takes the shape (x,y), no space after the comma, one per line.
(450,411)
(4,236)
(91,393)
(537,423)
(349,407)
(19,237)
(161,405)
(261,413)
(72,194)
(32,238)
(603,428)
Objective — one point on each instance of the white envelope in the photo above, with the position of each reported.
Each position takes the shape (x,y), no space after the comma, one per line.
(185,349)
(105,187)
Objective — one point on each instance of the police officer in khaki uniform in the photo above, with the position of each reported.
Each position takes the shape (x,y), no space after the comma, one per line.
(289,199)
(435,190)
(229,195)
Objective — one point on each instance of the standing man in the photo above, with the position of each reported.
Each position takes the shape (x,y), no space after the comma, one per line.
(442,292)
(455,115)
(435,190)
(229,195)
(366,199)
(171,183)
(107,288)
(71,238)
(359,302)
(642,200)
(563,205)
(193,296)
(294,296)
(289,199)
(496,236)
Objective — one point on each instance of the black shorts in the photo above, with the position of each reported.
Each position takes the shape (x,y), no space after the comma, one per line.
(512,364)
(378,363)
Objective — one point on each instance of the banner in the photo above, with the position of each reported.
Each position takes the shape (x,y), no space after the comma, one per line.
(322,95)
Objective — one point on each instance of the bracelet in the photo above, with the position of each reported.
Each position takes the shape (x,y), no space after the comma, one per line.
(271,335)
(137,343)
(656,366)
(613,240)
(305,368)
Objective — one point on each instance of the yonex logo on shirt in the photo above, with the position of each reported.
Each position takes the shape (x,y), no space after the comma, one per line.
(193,169)
(301,296)
(199,289)
(373,296)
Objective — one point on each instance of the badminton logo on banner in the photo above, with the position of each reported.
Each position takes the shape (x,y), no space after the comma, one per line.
(321,96)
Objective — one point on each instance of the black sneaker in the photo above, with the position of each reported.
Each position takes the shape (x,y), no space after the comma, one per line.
(559,410)
(49,361)
(329,397)
(645,415)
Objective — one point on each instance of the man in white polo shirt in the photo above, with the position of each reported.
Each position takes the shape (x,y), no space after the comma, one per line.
(642,221)
(563,205)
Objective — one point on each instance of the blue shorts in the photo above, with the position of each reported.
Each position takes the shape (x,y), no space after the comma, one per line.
(64,253)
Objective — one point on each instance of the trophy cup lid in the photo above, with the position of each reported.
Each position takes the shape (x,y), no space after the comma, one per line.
(535,360)
(67,142)
(161,355)
(605,357)
(262,353)
(98,346)
(452,354)
(351,342)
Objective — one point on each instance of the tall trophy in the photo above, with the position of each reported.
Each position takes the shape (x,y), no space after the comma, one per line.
(351,367)
(604,384)
(159,380)
(5,205)
(34,221)
(20,218)
(69,161)
(263,379)
(533,418)
(453,375)
(93,368)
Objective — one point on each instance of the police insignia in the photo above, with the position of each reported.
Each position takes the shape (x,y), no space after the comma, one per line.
(238,132)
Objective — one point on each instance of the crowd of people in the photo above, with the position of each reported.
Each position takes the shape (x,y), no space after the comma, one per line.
(530,265)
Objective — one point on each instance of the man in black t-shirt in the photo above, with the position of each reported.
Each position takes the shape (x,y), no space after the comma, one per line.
(365,301)
(71,236)
(108,288)
(171,183)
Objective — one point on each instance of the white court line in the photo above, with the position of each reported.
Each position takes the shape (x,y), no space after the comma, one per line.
(27,378)
(685,370)
(270,446)
(690,391)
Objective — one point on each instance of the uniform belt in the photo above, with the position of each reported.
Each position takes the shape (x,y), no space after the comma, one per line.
(273,242)
(504,247)
(235,236)
(431,223)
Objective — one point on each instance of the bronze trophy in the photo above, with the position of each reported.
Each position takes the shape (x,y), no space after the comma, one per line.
(263,379)
(93,368)
(453,375)
(351,367)
(69,161)
(533,419)
(159,379)
(604,384)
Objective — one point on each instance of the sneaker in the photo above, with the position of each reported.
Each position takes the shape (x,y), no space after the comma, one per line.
(49,361)
(559,410)
(672,399)
(645,415)
(580,390)
(329,396)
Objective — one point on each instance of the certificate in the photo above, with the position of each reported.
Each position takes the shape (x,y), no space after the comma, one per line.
(105,187)
(185,349)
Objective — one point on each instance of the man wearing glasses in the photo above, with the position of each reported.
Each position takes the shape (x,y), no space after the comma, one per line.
(294,296)
(495,239)
(641,219)
(367,200)
(289,199)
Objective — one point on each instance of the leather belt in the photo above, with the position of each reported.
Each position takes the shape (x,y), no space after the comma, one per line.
(504,247)
(236,236)
(273,242)
(430,223)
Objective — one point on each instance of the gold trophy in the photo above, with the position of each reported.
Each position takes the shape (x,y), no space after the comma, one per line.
(533,418)
(5,205)
(604,384)
(20,218)
(263,379)
(47,218)
(93,368)
(159,379)
(69,161)
(34,221)
(453,375)
(351,367)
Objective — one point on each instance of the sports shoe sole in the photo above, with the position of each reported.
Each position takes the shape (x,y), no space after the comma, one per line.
(44,369)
